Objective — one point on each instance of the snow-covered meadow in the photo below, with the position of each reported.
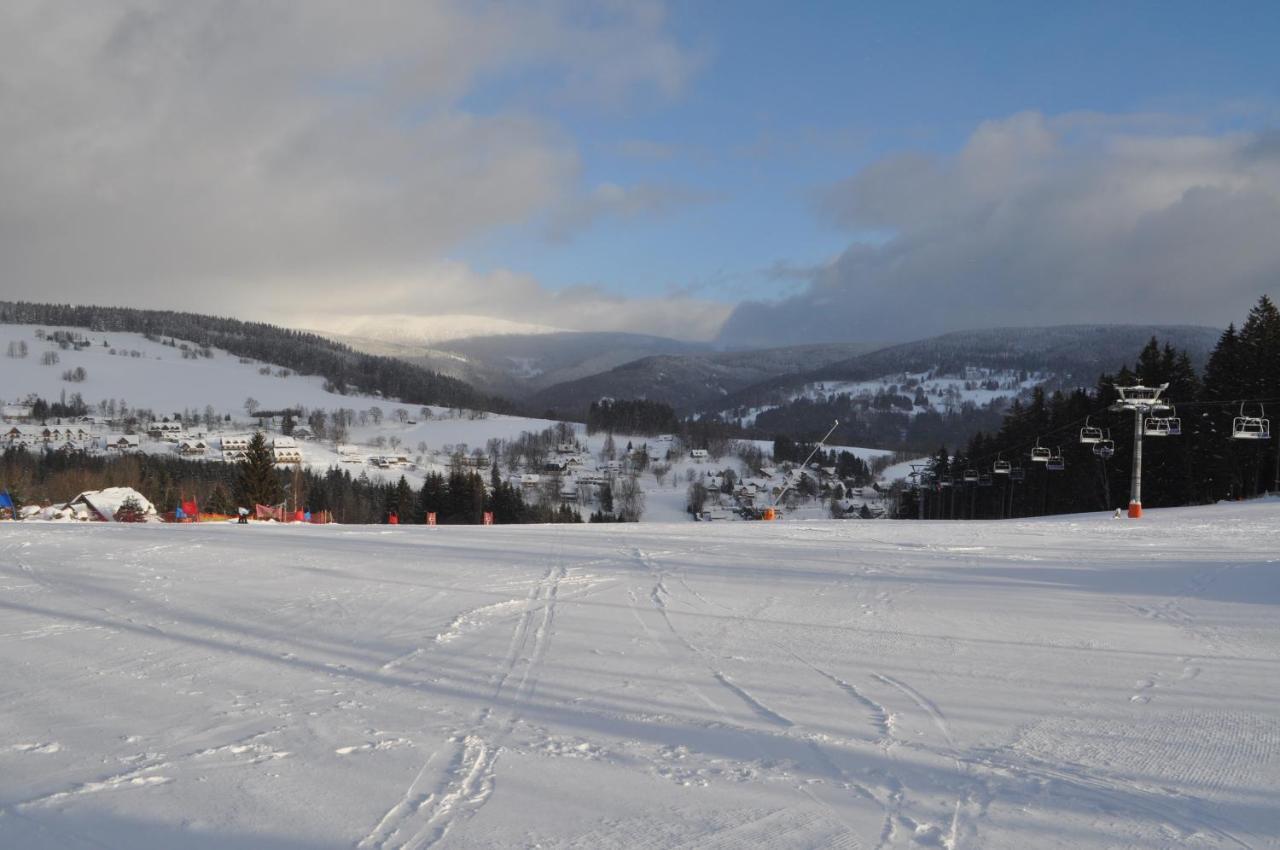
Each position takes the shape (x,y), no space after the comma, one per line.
(1072,682)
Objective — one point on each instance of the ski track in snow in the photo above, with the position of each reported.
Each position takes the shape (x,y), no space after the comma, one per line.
(792,685)
(470,776)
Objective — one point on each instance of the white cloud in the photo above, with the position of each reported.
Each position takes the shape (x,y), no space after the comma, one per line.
(622,203)
(450,288)
(1042,221)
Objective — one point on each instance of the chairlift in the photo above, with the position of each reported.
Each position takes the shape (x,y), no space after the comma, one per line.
(1017,474)
(1105,447)
(1251,427)
(1055,463)
(970,476)
(1090,434)
(1040,454)
(1001,467)
(944,480)
(985,480)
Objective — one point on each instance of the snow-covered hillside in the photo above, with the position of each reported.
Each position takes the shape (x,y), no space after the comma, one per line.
(912,393)
(1075,682)
(385,439)
(153,375)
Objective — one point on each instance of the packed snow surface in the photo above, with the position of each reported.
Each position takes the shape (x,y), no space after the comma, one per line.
(1075,682)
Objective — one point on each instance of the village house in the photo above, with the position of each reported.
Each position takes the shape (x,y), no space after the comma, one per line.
(238,443)
(122,443)
(192,448)
(160,430)
(285,450)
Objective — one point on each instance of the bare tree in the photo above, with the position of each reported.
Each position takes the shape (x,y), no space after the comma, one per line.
(697,497)
(629,499)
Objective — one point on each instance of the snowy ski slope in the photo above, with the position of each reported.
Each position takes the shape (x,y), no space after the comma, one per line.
(1076,682)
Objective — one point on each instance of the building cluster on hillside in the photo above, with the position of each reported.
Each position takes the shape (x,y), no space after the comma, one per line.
(99,435)
(785,488)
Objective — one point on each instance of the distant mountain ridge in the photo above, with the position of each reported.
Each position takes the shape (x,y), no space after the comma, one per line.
(689,382)
(1072,354)
(518,365)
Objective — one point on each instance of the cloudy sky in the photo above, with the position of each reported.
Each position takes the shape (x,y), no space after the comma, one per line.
(753,173)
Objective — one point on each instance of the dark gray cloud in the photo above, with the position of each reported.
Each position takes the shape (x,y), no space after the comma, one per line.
(279,158)
(1039,221)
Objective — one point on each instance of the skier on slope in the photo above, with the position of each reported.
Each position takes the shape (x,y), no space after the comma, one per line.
(244,516)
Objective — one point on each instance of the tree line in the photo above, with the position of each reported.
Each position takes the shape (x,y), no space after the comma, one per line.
(460,497)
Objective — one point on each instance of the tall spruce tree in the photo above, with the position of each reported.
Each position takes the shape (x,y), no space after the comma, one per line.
(258,483)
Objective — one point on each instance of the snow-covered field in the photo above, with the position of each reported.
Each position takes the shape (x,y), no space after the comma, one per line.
(1074,682)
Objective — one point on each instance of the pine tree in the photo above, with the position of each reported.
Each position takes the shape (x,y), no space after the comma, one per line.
(258,483)
(402,502)
(433,496)
(130,510)
(218,502)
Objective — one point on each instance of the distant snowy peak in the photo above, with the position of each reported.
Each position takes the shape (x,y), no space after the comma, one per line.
(405,329)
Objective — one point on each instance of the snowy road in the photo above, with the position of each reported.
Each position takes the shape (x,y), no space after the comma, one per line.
(1076,682)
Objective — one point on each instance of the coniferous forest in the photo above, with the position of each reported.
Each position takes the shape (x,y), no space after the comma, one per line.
(1201,465)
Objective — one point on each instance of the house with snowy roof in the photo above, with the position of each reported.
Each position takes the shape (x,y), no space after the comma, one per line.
(236,443)
(122,443)
(160,430)
(102,505)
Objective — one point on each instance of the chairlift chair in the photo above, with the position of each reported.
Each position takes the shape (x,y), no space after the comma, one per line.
(1251,427)
(1001,467)
(1105,447)
(970,476)
(985,480)
(1090,433)
(1166,424)
(1017,474)
(1055,463)
(1040,454)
